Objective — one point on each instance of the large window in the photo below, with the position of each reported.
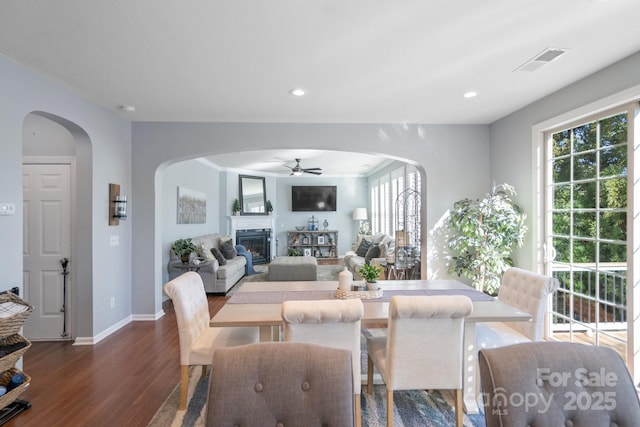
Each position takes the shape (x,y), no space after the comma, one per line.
(587,214)
(385,189)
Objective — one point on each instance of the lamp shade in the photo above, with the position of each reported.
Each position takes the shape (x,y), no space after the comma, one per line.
(360,214)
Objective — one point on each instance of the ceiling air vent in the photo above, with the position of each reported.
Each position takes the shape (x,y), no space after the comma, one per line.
(543,58)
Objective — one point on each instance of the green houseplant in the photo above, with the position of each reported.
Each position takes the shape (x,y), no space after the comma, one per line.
(269,206)
(183,248)
(370,272)
(484,234)
(236,207)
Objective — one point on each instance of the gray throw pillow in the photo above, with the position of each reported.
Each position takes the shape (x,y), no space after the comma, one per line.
(363,248)
(216,253)
(228,250)
(372,252)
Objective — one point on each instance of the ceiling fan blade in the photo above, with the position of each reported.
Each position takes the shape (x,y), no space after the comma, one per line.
(312,169)
(312,172)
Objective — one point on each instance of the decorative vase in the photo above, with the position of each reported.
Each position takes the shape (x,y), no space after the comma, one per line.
(345,279)
(372,286)
(185,258)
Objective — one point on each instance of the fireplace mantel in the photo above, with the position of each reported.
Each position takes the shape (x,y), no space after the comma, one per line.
(253,222)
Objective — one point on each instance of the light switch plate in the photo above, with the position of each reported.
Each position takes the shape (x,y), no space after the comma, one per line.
(7,208)
(114,240)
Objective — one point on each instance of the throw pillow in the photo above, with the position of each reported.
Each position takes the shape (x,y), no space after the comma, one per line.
(228,250)
(363,248)
(205,253)
(218,255)
(372,252)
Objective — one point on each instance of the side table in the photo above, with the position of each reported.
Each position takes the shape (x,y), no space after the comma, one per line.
(184,267)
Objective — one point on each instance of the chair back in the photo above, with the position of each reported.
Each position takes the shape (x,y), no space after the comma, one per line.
(332,323)
(281,383)
(192,310)
(527,291)
(424,341)
(557,384)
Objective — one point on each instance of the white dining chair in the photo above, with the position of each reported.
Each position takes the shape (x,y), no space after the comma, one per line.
(528,292)
(198,340)
(332,323)
(423,347)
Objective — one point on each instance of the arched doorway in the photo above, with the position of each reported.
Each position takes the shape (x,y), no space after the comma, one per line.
(56,156)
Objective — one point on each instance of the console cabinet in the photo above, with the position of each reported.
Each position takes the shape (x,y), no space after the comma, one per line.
(319,244)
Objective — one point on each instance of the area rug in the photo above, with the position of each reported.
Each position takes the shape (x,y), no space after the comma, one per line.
(411,408)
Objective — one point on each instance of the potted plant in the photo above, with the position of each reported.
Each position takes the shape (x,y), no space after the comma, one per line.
(236,207)
(484,233)
(370,272)
(269,207)
(183,248)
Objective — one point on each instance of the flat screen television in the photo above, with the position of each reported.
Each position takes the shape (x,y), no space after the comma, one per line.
(313,198)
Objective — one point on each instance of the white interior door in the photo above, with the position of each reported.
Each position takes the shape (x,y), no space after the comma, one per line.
(47,241)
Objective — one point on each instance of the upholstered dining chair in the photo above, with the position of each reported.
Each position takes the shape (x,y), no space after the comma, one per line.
(280,384)
(548,384)
(423,347)
(528,292)
(198,340)
(332,323)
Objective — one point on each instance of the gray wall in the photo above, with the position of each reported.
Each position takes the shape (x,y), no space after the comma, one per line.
(513,156)
(457,161)
(103,155)
(453,158)
(221,188)
(352,193)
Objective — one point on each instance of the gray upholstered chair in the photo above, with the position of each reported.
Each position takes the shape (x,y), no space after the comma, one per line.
(197,339)
(281,383)
(332,323)
(527,291)
(423,347)
(549,384)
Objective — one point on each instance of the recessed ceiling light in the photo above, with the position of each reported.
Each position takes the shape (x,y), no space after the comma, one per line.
(128,108)
(298,92)
(470,94)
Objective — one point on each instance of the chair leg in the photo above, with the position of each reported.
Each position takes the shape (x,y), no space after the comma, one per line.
(389,408)
(204,371)
(184,386)
(459,411)
(369,375)
(358,411)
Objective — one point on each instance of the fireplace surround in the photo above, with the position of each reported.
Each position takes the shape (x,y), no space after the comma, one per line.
(252,223)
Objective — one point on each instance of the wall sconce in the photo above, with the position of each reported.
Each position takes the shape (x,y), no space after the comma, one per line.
(117,205)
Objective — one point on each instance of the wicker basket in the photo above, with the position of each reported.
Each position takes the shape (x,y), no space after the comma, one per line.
(13,313)
(9,360)
(359,294)
(10,396)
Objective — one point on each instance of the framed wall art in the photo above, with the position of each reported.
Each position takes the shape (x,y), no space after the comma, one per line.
(192,206)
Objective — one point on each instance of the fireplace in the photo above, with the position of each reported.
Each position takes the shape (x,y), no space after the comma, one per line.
(258,242)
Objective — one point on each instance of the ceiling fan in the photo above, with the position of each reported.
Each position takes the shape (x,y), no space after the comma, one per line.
(297,170)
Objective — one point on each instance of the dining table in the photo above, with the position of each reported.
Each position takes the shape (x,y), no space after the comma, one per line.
(259,304)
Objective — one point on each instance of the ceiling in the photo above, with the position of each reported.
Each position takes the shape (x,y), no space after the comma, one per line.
(361,61)
(280,162)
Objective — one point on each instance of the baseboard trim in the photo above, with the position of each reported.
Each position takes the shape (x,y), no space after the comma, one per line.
(147,317)
(104,334)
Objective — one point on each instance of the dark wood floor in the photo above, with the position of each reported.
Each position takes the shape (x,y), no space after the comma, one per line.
(121,381)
